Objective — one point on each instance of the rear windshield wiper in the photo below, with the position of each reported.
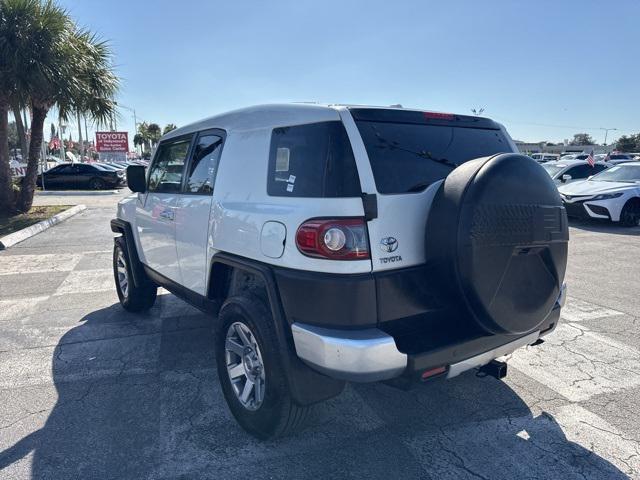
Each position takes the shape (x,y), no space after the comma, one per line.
(422,154)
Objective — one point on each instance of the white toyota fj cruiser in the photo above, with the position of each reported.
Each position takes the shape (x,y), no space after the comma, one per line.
(344,243)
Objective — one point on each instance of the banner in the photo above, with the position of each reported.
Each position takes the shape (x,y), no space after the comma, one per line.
(19,170)
(112,141)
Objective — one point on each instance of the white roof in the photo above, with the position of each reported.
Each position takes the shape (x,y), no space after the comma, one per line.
(271,116)
(261,116)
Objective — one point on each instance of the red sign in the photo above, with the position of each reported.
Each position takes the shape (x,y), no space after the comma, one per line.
(112,141)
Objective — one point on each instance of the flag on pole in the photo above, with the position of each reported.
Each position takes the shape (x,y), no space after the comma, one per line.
(590,160)
(607,157)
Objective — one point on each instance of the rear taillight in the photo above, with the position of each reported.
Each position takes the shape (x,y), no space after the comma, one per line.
(337,239)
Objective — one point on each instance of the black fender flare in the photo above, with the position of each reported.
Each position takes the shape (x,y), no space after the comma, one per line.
(124,228)
(307,386)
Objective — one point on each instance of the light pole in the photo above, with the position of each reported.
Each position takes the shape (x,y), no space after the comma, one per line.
(61,128)
(606,132)
(135,119)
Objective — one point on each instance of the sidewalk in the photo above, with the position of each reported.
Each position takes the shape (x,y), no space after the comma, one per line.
(92,199)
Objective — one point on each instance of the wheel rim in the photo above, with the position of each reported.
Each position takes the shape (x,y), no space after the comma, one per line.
(122,274)
(245,366)
(96,184)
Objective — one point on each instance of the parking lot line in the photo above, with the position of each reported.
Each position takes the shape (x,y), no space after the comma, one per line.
(578,363)
(577,310)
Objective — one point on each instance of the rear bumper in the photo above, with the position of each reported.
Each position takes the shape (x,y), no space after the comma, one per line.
(370,355)
(365,355)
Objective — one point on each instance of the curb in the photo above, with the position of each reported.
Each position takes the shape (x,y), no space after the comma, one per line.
(21,235)
(76,193)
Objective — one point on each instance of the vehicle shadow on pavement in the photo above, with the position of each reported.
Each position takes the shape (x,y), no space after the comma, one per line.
(138,397)
(602,226)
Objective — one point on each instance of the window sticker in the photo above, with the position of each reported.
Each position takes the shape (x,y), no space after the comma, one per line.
(289,187)
(292,179)
(282,159)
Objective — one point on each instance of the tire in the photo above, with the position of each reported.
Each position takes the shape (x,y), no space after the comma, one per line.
(96,184)
(630,215)
(133,298)
(497,237)
(275,414)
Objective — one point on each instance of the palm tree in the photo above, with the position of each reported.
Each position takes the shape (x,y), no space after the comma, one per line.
(96,87)
(154,133)
(143,132)
(138,141)
(168,128)
(32,35)
(45,58)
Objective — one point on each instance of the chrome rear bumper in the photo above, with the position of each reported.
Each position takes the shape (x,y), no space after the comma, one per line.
(367,355)
(371,355)
(484,358)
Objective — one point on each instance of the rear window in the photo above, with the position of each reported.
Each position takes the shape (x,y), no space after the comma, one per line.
(313,160)
(411,156)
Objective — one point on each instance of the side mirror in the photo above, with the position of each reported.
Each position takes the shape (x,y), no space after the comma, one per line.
(565,178)
(137,178)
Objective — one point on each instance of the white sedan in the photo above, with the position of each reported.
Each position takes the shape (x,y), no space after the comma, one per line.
(566,171)
(613,194)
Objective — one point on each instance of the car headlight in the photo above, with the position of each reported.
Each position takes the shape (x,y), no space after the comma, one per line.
(607,196)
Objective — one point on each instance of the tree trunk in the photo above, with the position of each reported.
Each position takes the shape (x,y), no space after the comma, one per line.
(28,187)
(7,198)
(80,136)
(22,134)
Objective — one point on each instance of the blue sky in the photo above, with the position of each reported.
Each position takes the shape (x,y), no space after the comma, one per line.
(546,69)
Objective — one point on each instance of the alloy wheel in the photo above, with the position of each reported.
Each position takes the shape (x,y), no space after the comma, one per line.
(123,275)
(245,366)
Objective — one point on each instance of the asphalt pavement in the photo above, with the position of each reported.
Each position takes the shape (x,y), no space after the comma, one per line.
(90,391)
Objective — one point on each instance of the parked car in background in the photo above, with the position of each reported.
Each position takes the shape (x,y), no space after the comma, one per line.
(545,157)
(567,171)
(613,194)
(109,166)
(615,158)
(81,176)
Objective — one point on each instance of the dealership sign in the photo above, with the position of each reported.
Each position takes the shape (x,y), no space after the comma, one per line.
(17,169)
(112,141)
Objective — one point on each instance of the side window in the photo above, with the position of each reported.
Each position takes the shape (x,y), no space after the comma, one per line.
(86,168)
(66,169)
(598,169)
(204,164)
(313,160)
(165,174)
(581,171)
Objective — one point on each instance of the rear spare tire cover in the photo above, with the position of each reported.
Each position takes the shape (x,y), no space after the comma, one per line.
(498,232)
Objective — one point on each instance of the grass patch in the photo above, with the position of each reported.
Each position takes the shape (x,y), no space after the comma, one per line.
(35,215)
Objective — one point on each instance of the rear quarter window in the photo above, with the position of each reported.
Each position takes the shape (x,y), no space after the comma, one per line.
(313,160)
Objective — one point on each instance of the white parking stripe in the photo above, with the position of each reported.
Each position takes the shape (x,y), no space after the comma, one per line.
(578,310)
(12,309)
(556,444)
(578,363)
(87,281)
(589,430)
(15,264)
